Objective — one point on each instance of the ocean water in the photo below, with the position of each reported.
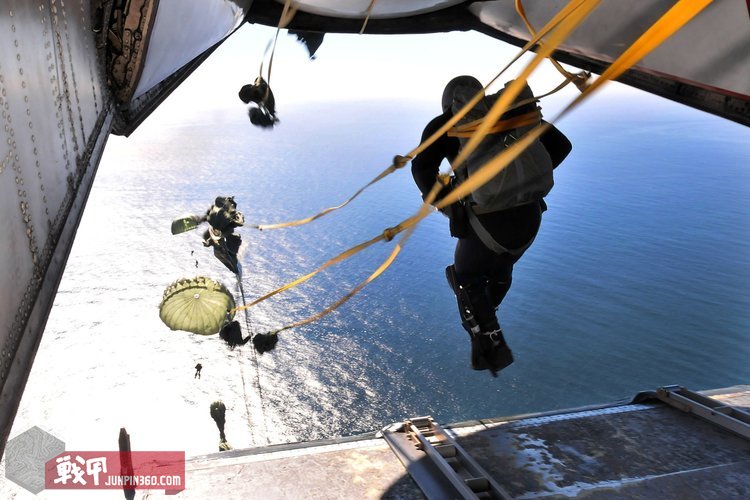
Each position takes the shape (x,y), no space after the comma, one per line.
(639,278)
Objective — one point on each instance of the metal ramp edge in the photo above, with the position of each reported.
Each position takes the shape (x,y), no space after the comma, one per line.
(444,470)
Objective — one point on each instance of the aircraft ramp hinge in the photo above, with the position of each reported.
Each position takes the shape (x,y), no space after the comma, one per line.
(438,464)
(718,413)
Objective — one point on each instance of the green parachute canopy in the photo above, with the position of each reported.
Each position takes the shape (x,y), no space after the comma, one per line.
(197,305)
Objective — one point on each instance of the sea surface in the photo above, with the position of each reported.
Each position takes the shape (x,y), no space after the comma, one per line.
(639,278)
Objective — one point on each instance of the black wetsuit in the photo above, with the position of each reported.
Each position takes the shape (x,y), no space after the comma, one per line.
(485,274)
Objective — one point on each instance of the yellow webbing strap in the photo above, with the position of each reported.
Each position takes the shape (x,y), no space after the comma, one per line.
(409,223)
(387,235)
(340,257)
(509,95)
(400,161)
(667,25)
(287,14)
(467,129)
(675,18)
(554,23)
(455,131)
(367,15)
(580,80)
(679,15)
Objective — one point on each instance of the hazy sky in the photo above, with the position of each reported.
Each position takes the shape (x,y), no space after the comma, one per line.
(356,67)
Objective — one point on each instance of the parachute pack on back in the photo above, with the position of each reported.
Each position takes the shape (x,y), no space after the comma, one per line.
(525,179)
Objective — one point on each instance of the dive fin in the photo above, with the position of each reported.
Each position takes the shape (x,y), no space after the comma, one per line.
(186,223)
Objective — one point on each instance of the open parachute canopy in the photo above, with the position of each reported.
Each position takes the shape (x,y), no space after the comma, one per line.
(198,305)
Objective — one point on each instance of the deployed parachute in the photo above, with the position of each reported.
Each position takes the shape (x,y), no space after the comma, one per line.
(198,305)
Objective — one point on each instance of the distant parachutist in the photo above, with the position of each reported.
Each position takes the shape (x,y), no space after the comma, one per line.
(222,217)
(218,413)
(259,92)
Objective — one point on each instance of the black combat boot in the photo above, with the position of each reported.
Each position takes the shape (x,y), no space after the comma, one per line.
(489,351)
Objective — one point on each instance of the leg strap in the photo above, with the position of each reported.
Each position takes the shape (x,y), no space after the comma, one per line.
(477,313)
(490,242)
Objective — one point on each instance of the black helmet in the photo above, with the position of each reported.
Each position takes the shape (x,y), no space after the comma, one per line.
(459,81)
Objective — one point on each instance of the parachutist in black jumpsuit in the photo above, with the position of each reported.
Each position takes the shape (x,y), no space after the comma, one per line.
(480,277)
(223,218)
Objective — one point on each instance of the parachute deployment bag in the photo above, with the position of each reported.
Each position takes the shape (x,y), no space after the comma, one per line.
(527,178)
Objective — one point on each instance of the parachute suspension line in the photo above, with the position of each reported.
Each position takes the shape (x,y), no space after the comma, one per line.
(467,129)
(675,18)
(386,235)
(287,14)
(242,370)
(244,301)
(400,161)
(257,369)
(389,233)
(579,79)
(551,25)
(265,53)
(409,225)
(367,15)
(566,26)
(679,15)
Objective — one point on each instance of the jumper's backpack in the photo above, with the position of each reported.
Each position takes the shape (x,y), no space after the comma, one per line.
(527,178)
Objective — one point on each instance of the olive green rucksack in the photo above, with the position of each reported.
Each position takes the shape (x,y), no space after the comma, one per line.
(528,177)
